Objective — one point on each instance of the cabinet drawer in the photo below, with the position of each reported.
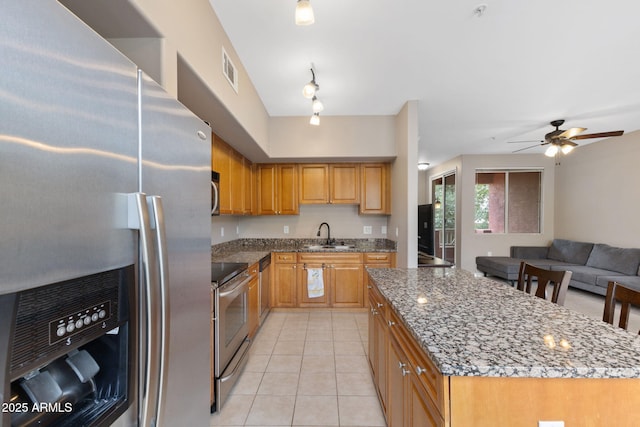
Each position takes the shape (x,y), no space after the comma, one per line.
(377,258)
(331,258)
(284,257)
(422,366)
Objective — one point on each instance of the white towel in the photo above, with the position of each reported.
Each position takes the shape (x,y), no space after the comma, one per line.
(315,282)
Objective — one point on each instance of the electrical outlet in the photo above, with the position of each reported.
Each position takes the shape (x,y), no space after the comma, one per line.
(286,229)
(383,229)
(489,253)
(397,231)
(221,231)
(550,423)
(238,229)
(367,229)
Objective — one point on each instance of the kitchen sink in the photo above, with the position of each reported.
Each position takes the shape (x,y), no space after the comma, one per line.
(334,247)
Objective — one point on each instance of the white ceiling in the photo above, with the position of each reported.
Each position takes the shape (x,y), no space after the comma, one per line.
(480,80)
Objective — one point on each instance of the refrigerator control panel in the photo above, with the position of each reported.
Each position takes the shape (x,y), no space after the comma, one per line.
(71,324)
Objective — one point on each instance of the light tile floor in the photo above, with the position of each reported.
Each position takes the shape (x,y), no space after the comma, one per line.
(309,368)
(306,368)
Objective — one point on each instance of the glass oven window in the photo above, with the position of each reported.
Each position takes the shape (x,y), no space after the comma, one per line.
(235,317)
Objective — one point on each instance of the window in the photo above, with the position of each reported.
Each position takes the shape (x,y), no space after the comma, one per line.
(508,201)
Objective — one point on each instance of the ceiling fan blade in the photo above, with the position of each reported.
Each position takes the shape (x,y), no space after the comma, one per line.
(599,135)
(520,142)
(570,133)
(526,148)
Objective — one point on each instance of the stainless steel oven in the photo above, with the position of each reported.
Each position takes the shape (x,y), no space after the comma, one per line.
(231,329)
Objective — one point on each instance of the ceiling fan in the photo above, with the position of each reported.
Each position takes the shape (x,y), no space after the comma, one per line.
(562,140)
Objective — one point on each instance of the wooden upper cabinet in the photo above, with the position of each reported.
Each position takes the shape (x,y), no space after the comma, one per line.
(314,183)
(375,188)
(221,162)
(277,189)
(329,183)
(236,178)
(344,183)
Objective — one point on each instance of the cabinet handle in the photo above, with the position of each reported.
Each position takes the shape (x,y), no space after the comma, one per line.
(420,371)
(405,372)
(369,287)
(380,305)
(391,322)
(374,312)
(401,365)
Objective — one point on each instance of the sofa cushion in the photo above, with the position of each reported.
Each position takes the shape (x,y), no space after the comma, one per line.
(570,251)
(630,281)
(621,260)
(585,274)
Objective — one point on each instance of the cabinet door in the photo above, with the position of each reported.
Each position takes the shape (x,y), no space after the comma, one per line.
(249,187)
(254,306)
(374,194)
(347,285)
(303,292)
(287,188)
(397,370)
(237,182)
(267,183)
(283,288)
(421,411)
(344,183)
(314,183)
(221,162)
(380,353)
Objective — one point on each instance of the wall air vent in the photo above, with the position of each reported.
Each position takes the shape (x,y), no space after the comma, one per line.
(229,70)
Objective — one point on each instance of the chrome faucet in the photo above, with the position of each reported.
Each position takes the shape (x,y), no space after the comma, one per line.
(328,232)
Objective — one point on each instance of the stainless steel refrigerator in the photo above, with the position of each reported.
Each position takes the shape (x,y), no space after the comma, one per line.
(100,168)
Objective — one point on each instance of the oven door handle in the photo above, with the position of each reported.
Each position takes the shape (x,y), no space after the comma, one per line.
(236,289)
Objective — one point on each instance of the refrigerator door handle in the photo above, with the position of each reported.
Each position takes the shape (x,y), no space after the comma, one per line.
(139,219)
(157,213)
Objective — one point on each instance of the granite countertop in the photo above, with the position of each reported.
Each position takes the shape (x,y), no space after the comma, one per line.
(252,250)
(474,326)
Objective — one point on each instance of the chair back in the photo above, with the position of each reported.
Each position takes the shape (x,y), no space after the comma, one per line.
(627,298)
(558,280)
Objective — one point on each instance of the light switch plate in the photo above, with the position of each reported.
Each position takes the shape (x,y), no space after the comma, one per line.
(383,229)
(367,229)
(286,229)
(550,423)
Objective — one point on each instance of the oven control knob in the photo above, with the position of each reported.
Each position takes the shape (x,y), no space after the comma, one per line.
(86,320)
(70,327)
(102,314)
(94,317)
(60,331)
(79,323)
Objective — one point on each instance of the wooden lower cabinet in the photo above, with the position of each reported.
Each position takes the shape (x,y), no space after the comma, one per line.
(342,277)
(378,343)
(375,260)
(283,285)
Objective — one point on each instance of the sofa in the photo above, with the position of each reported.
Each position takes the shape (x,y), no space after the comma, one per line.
(593,264)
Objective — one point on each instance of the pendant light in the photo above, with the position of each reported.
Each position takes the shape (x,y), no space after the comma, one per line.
(316,105)
(309,90)
(304,13)
(315,119)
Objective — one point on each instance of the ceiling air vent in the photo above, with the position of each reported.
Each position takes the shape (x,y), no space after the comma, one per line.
(229,70)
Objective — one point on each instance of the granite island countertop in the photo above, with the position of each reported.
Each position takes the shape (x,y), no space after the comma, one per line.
(474,326)
(252,250)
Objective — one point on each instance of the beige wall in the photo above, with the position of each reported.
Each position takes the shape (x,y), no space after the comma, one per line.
(597,192)
(195,31)
(403,223)
(337,137)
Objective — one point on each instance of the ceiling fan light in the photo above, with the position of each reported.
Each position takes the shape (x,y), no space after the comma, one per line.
(315,119)
(551,151)
(568,147)
(304,13)
(316,105)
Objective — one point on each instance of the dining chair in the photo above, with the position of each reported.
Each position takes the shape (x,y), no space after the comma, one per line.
(627,298)
(559,280)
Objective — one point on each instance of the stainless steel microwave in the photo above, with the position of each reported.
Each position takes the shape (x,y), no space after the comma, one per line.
(215,193)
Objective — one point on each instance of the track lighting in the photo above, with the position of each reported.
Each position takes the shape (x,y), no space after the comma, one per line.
(304,13)
(315,119)
(316,105)
(309,90)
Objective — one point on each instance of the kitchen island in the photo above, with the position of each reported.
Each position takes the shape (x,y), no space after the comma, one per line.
(459,350)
